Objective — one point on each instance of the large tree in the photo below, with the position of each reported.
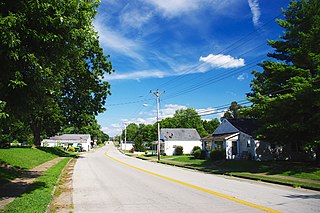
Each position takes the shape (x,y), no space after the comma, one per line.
(235,111)
(211,125)
(187,118)
(52,66)
(286,94)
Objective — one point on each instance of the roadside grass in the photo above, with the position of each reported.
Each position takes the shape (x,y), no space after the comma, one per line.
(274,171)
(25,158)
(14,160)
(7,174)
(294,183)
(39,194)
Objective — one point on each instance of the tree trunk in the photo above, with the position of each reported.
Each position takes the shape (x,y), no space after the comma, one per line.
(36,129)
(318,154)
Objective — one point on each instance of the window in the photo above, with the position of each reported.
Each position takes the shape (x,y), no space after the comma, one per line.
(219,145)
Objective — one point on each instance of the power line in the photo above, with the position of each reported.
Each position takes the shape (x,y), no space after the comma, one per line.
(227,48)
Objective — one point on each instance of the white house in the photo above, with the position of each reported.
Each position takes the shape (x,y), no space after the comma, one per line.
(171,138)
(66,140)
(128,145)
(235,137)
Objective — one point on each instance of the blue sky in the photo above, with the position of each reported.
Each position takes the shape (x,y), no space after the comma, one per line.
(200,52)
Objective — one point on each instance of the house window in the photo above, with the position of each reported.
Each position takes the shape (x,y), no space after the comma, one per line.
(248,143)
(219,145)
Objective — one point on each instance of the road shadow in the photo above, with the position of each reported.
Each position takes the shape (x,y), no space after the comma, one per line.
(304,196)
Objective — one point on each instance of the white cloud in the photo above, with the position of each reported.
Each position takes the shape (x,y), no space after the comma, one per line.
(242,77)
(171,8)
(136,75)
(255,10)
(136,18)
(117,42)
(170,109)
(222,61)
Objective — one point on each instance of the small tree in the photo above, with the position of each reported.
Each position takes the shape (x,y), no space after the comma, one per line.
(178,150)
(138,144)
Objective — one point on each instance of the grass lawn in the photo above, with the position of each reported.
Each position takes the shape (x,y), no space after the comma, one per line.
(7,174)
(252,169)
(39,194)
(23,159)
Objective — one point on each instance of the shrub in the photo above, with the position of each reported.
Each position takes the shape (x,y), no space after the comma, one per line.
(197,154)
(218,155)
(195,148)
(132,150)
(203,155)
(178,150)
(70,149)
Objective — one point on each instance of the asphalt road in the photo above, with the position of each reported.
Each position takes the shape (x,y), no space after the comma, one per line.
(108,181)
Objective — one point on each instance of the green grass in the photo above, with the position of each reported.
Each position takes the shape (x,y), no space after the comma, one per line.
(39,194)
(295,183)
(7,174)
(25,158)
(305,170)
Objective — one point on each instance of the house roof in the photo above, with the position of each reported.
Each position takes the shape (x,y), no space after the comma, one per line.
(247,126)
(228,126)
(179,134)
(75,137)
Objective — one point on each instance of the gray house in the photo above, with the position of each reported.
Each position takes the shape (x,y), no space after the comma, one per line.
(171,138)
(235,137)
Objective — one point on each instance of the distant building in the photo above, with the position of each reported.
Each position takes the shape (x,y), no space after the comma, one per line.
(171,138)
(66,140)
(126,146)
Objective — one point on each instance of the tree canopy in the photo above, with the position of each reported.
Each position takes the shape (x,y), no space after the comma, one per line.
(286,94)
(52,66)
(235,111)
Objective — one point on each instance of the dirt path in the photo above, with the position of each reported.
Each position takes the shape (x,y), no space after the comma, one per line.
(16,187)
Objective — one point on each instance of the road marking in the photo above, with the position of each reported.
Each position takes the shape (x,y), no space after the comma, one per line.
(253,205)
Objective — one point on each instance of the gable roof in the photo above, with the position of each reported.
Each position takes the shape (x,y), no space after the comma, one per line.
(70,137)
(228,126)
(248,126)
(179,134)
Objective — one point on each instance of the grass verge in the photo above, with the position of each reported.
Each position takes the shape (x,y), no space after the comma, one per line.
(39,194)
(297,174)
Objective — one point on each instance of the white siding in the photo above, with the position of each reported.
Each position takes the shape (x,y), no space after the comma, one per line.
(187,146)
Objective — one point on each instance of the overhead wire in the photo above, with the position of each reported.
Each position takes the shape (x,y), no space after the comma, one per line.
(182,75)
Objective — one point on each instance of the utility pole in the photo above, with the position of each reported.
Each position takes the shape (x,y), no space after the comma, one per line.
(157,94)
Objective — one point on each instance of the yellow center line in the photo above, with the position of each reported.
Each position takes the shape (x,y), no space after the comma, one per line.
(253,205)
